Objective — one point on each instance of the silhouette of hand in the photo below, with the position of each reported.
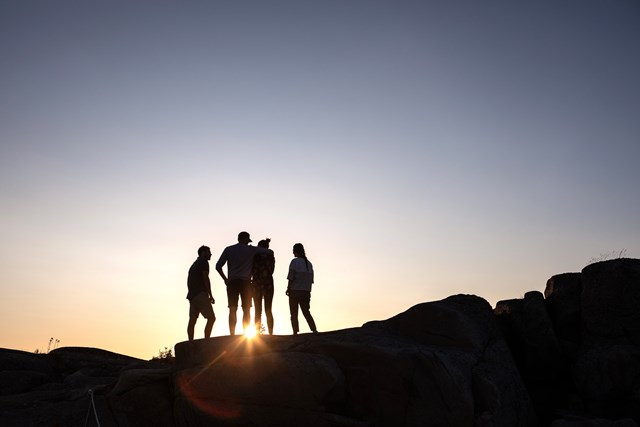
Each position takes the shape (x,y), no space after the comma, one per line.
(213,300)
(287,292)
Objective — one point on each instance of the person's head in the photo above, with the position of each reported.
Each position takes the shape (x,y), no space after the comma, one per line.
(243,237)
(204,252)
(298,250)
(264,243)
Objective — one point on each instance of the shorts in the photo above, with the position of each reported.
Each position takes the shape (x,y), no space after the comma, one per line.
(200,304)
(239,288)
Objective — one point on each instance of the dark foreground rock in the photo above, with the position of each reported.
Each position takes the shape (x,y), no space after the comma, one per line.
(568,358)
(578,351)
(441,363)
(57,389)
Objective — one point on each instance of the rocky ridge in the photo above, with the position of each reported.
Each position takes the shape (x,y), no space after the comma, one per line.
(568,357)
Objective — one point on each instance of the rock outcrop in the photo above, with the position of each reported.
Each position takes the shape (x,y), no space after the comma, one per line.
(578,350)
(570,357)
(439,363)
(57,389)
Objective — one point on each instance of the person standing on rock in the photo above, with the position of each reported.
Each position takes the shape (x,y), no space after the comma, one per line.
(239,260)
(199,293)
(262,284)
(300,279)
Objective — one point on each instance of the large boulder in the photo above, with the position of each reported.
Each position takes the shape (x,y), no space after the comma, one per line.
(143,397)
(611,302)
(509,314)
(606,370)
(608,380)
(460,321)
(537,351)
(268,389)
(92,361)
(439,363)
(59,388)
(563,297)
(578,350)
(21,372)
(531,335)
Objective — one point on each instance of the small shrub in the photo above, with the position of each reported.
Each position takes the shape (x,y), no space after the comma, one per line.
(165,356)
(608,255)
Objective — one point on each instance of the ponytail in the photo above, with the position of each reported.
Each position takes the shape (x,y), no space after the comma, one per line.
(299,250)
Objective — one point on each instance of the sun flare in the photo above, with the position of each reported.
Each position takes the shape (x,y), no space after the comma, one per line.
(250,333)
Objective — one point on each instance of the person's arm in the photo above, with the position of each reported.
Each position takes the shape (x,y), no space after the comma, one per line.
(290,277)
(207,285)
(259,250)
(220,263)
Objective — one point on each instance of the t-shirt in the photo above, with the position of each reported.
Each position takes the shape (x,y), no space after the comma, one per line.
(239,260)
(300,274)
(195,280)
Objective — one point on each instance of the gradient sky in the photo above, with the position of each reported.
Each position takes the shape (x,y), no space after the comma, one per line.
(417,149)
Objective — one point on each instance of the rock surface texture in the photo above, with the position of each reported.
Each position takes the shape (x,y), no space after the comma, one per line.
(568,357)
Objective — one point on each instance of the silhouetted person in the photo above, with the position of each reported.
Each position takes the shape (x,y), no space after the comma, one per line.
(199,294)
(239,260)
(262,273)
(300,279)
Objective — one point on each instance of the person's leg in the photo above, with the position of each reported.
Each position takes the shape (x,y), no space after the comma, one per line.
(268,300)
(193,318)
(257,303)
(209,326)
(293,309)
(305,306)
(207,312)
(191,327)
(245,296)
(232,297)
(233,319)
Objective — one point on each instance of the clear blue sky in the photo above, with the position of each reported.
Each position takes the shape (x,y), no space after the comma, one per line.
(417,149)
